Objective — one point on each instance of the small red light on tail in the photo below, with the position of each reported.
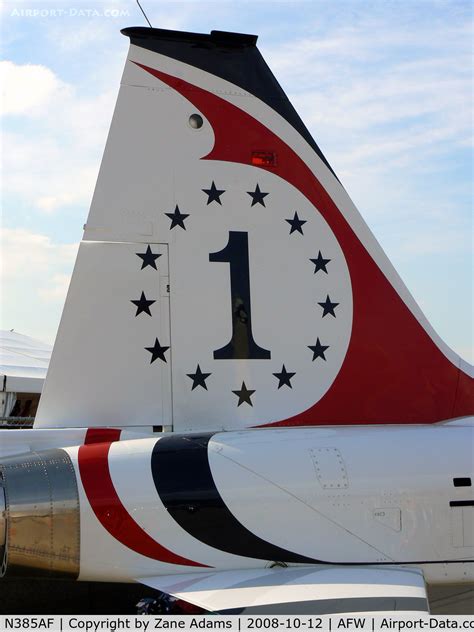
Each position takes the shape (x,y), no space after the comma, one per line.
(264,158)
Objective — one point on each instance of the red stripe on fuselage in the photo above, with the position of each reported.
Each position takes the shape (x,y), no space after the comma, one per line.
(110,512)
(102,435)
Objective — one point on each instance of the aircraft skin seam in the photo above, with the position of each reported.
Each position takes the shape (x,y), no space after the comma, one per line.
(320,513)
(225,93)
(190,467)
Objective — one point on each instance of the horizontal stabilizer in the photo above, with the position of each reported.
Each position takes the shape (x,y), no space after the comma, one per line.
(309,590)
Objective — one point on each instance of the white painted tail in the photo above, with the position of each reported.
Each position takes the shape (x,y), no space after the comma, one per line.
(225,278)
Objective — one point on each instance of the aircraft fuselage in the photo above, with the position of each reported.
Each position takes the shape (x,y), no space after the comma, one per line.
(138,508)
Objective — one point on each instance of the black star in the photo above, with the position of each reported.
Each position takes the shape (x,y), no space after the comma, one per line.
(143,305)
(284,377)
(318,350)
(320,263)
(244,395)
(296,224)
(148,258)
(199,378)
(257,196)
(328,307)
(177,218)
(213,194)
(157,351)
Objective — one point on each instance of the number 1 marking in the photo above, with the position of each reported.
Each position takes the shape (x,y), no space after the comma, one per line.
(242,345)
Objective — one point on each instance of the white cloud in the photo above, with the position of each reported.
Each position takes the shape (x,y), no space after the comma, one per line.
(375,95)
(34,277)
(387,107)
(49,203)
(27,255)
(56,289)
(44,176)
(28,89)
(84,34)
(59,159)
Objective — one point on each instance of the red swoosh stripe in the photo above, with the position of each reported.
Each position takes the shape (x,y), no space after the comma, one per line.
(110,512)
(393,372)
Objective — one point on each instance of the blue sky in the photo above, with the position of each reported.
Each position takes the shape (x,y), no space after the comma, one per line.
(384,87)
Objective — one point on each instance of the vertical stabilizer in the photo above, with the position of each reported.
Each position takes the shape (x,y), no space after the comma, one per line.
(225,278)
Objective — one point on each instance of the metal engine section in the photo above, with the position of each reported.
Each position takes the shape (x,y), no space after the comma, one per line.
(3,529)
(39,517)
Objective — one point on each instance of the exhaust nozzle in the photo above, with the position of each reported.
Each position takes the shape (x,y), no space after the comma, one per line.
(39,515)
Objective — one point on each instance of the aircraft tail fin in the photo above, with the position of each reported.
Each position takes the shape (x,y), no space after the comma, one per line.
(225,278)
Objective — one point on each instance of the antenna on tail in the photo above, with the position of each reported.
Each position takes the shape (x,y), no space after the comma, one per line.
(146,18)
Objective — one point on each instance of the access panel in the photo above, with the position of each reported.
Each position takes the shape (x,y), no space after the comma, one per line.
(111,365)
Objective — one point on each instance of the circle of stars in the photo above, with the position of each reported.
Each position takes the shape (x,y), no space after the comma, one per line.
(199,378)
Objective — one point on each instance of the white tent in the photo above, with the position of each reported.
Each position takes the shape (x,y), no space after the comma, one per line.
(23,365)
